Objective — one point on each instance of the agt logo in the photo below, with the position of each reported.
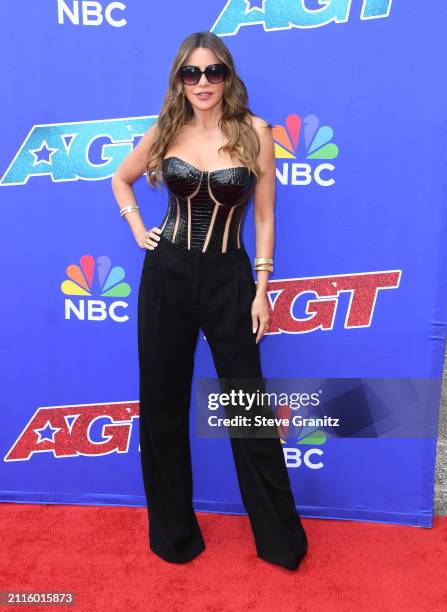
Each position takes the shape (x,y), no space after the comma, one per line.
(82,282)
(304,138)
(89,430)
(276,15)
(88,150)
(319,296)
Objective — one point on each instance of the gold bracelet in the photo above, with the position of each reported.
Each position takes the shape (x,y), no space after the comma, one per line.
(263,263)
(264,267)
(263,260)
(128,209)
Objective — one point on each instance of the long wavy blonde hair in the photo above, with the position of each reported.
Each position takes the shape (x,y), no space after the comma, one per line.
(235,122)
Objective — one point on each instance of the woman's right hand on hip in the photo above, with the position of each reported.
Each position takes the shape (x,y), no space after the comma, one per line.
(149,238)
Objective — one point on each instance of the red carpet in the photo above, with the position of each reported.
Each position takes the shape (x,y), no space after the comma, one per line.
(101,554)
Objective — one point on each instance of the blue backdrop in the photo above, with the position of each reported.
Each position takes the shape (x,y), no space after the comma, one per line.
(356,95)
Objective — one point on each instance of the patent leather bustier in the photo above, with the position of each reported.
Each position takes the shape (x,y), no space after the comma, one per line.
(205,209)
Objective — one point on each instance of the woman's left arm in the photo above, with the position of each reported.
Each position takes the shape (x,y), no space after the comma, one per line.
(264,216)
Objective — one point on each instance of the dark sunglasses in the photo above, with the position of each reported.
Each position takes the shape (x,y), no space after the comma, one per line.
(215,73)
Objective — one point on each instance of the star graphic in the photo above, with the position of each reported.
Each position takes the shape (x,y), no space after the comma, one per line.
(254,4)
(47,432)
(43,154)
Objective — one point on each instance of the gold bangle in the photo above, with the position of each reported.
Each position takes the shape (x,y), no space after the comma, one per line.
(261,260)
(127,209)
(264,267)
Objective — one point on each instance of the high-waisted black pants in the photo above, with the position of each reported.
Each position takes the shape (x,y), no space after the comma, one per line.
(180,292)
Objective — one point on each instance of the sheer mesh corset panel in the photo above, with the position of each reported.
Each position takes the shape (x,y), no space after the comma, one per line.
(205,208)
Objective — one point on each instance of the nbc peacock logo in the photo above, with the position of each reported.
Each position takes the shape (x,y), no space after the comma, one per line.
(91,280)
(305,147)
(300,444)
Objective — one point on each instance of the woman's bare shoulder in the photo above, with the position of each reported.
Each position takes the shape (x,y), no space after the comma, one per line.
(259,123)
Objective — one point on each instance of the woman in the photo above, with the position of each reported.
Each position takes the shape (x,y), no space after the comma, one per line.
(213,154)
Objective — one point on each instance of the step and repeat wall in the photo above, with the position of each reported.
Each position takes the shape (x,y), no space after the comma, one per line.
(354,92)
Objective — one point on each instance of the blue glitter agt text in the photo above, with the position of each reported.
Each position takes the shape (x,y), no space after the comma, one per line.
(284,15)
(88,150)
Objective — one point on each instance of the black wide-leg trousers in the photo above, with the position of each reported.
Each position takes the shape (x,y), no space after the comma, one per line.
(182,291)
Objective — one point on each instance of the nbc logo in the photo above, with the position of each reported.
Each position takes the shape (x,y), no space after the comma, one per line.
(304,138)
(308,438)
(99,278)
(309,455)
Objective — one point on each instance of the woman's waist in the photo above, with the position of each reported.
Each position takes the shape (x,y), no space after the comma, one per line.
(194,251)
(203,234)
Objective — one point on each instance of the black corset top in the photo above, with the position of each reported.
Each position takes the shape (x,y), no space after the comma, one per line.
(205,208)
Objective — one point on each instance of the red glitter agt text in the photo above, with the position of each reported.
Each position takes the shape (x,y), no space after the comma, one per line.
(321,311)
(68,429)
